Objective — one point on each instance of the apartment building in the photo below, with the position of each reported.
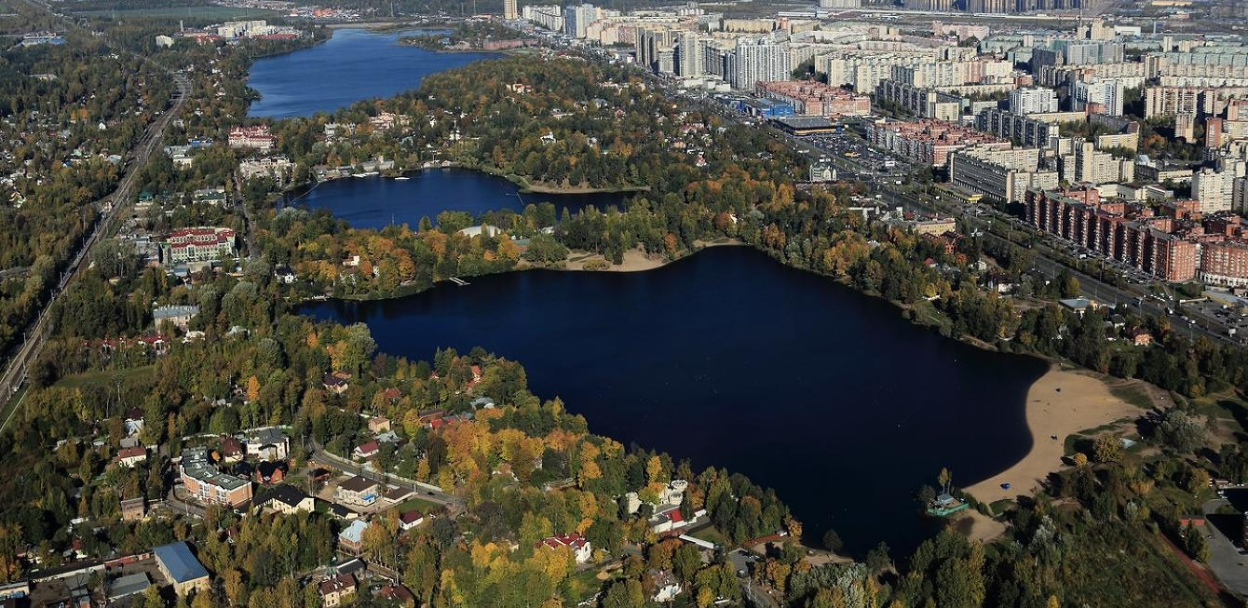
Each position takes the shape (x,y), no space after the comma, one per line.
(815,98)
(928,142)
(1004,175)
(200,244)
(1026,130)
(1224,263)
(255,138)
(924,103)
(205,483)
(1033,100)
(1139,239)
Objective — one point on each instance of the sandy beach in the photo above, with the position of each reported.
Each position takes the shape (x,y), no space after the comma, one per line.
(635,260)
(1061,403)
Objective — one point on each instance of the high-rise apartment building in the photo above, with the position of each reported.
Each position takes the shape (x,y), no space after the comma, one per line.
(760,61)
(1033,100)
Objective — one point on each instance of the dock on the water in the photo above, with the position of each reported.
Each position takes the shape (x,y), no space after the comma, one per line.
(458,281)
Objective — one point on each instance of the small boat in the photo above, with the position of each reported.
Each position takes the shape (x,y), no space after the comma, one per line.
(1005,486)
(365,174)
(402,178)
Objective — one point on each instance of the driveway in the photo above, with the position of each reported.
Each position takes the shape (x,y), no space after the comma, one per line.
(1224,559)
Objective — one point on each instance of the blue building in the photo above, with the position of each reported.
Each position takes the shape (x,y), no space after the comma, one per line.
(181,567)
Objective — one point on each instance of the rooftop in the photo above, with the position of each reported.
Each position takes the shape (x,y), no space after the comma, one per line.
(179,562)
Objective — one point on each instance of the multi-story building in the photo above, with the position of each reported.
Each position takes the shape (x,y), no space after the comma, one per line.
(862,70)
(1081,162)
(690,61)
(1214,189)
(928,142)
(1143,241)
(576,19)
(509,10)
(180,567)
(1025,130)
(762,60)
(1033,100)
(547,16)
(256,138)
(815,98)
(840,4)
(1197,101)
(1005,175)
(1224,263)
(924,103)
(337,590)
(200,244)
(205,483)
(359,491)
(1098,97)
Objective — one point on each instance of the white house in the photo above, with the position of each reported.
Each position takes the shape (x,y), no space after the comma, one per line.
(666,588)
(581,549)
(131,456)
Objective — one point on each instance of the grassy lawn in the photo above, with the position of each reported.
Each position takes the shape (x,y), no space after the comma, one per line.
(1133,393)
(106,378)
(710,534)
(1223,407)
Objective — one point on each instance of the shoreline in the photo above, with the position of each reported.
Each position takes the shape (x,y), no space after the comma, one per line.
(635,260)
(1062,402)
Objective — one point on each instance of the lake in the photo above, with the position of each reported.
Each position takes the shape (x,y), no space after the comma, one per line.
(734,360)
(354,64)
(374,202)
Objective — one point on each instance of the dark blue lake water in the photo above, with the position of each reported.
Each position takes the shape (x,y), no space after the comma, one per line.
(733,360)
(351,66)
(374,202)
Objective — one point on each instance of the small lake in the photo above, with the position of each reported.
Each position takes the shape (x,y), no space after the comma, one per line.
(375,202)
(354,64)
(734,360)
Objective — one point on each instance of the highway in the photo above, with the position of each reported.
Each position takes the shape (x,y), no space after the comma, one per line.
(36,334)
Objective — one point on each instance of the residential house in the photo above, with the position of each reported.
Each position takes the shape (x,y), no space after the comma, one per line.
(181,568)
(666,587)
(336,382)
(1141,338)
(357,491)
(337,590)
(271,472)
(289,500)
(579,545)
(131,456)
(398,594)
(267,443)
(352,538)
(367,451)
(380,424)
(410,519)
(231,449)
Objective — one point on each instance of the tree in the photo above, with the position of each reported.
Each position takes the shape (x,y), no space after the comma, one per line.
(1107,448)
(945,478)
(1080,459)
(832,541)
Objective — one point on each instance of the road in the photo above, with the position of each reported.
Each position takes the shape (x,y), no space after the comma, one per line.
(37,332)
